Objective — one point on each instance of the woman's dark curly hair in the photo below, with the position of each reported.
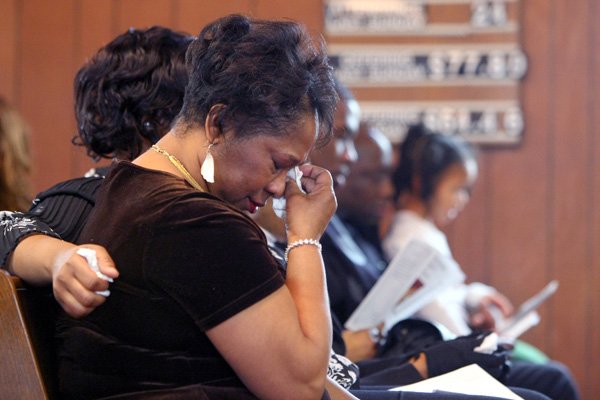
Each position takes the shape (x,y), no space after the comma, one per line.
(424,157)
(268,74)
(130,90)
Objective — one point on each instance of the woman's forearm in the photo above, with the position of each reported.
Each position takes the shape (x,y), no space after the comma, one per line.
(58,212)
(35,257)
(305,281)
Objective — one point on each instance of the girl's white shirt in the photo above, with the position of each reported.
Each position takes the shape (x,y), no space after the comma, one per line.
(450,307)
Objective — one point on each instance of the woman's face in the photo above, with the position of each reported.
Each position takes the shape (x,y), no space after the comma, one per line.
(250,170)
(452,192)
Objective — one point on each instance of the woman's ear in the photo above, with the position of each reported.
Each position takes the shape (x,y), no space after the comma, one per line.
(213,125)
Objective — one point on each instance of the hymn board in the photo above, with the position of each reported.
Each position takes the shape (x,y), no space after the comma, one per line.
(453,64)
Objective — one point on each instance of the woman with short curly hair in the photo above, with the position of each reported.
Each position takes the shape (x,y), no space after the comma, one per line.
(129,92)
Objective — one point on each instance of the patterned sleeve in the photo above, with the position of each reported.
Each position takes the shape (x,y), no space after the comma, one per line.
(15,226)
(342,370)
(59,212)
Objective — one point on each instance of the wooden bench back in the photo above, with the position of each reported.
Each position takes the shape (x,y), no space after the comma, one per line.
(27,352)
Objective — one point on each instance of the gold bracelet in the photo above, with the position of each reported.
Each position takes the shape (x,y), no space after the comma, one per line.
(299,243)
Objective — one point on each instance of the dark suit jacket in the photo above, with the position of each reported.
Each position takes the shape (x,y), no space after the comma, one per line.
(352,264)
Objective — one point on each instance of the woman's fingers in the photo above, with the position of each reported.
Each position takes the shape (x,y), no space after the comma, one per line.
(77,287)
(105,262)
(76,299)
(313,176)
(309,213)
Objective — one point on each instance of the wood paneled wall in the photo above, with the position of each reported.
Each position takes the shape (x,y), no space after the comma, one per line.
(534,213)
(534,217)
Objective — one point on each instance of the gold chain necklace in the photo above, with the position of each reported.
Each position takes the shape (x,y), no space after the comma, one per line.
(188,177)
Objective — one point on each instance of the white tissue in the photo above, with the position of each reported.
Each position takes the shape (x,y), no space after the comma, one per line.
(279,204)
(90,257)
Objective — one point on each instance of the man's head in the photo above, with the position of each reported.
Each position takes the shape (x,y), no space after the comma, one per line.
(339,154)
(368,191)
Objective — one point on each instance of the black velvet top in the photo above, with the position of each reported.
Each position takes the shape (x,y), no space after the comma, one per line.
(187,261)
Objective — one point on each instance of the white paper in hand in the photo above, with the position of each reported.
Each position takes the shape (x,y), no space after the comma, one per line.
(489,344)
(525,316)
(90,257)
(279,204)
(412,279)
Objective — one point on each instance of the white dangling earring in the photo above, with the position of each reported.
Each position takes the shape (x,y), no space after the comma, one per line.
(208,167)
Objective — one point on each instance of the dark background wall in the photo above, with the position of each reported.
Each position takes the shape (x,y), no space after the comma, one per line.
(534,214)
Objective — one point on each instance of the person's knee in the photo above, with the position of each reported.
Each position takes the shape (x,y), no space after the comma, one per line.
(552,379)
(563,379)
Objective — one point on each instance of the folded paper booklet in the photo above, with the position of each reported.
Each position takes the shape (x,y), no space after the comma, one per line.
(526,315)
(414,277)
(472,380)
